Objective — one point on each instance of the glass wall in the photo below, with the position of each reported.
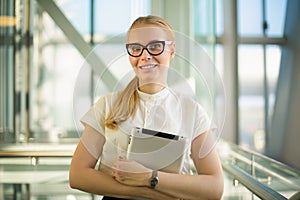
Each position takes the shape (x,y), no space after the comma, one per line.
(259,53)
(45,112)
(7,29)
(58,64)
(258,67)
(15,59)
(55,68)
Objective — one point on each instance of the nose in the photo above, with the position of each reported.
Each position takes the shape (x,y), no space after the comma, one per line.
(145,55)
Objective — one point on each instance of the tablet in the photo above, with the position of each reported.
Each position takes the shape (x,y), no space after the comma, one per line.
(157,150)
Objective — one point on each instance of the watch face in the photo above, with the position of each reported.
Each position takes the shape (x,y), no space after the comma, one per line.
(154,181)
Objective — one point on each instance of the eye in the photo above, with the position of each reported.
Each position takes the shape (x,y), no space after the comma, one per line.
(155,46)
(135,47)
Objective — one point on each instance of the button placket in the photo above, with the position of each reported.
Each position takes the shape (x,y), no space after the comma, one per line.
(148,107)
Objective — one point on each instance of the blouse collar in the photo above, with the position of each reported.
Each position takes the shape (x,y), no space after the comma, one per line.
(154,97)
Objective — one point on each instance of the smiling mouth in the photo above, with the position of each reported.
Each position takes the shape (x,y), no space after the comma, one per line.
(147,66)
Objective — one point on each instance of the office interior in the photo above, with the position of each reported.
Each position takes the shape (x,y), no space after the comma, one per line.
(253,48)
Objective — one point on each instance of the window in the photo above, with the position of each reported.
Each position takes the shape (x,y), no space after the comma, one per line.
(78,12)
(275,16)
(272,11)
(115,16)
(250,24)
(58,64)
(258,64)
(251,93)
(258,67)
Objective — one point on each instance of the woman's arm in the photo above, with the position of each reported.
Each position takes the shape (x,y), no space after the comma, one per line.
(208,184)
(85,177)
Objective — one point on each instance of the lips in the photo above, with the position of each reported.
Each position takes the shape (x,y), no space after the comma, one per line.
(145,67)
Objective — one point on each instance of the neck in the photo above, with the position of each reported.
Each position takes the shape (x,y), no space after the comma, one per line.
(151,88)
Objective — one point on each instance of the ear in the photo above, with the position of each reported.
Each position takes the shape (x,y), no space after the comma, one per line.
(173,50)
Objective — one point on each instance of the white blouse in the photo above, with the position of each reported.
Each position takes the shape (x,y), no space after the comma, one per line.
(164,111)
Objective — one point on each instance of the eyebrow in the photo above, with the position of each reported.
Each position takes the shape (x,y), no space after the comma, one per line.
(147,43)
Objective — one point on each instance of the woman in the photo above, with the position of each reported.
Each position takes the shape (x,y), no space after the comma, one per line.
(146,102)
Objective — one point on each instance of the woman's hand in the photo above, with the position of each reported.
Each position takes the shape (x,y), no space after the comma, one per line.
(131,173)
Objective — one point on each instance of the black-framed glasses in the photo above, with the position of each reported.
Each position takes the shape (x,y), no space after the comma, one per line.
(154,48)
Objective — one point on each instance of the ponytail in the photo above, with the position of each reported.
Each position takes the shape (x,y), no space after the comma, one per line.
(124,106)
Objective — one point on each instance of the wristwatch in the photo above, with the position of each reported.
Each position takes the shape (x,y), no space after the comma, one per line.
(154,179)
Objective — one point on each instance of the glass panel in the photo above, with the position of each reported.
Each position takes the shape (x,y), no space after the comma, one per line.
(273,57)
(219,59)
(57,85)
(219,17)
(38,178)
(219,66)
(208,89)
(234,190)
(140,8)
(115,16)
(7,27)
(78,12)
(276,10)
(112,17)
(273,174)
(56,66)
(204,20)
(251,99)
(250,24)
(281,179)
(204,24)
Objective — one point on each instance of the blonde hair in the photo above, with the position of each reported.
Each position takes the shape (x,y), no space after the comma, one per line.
(127,101)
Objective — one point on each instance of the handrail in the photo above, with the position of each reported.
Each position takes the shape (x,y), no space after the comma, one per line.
(257,166)
(37,150)
(36,154)
(251,183)
(271,160)
(296,196)
(235,153)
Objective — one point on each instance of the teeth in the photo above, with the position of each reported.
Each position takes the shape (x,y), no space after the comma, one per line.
(147,66)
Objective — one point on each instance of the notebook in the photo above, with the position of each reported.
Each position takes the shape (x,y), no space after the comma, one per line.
(157,150)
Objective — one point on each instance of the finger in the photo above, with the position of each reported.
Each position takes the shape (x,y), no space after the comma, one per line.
(120,179)
(114,174)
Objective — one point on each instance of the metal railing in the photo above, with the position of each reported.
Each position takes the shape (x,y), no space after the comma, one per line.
(263,176)
(256,187)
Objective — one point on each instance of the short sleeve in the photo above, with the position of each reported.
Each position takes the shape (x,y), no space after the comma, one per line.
(92,142)
(202,121)
(95,116)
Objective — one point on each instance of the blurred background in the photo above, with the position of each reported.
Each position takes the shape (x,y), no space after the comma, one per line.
(253,44)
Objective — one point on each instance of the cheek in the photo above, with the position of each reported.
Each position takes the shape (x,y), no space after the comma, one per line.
(164,59)
(133,61)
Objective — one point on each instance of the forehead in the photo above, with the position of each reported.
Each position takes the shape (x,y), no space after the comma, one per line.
(146,34)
